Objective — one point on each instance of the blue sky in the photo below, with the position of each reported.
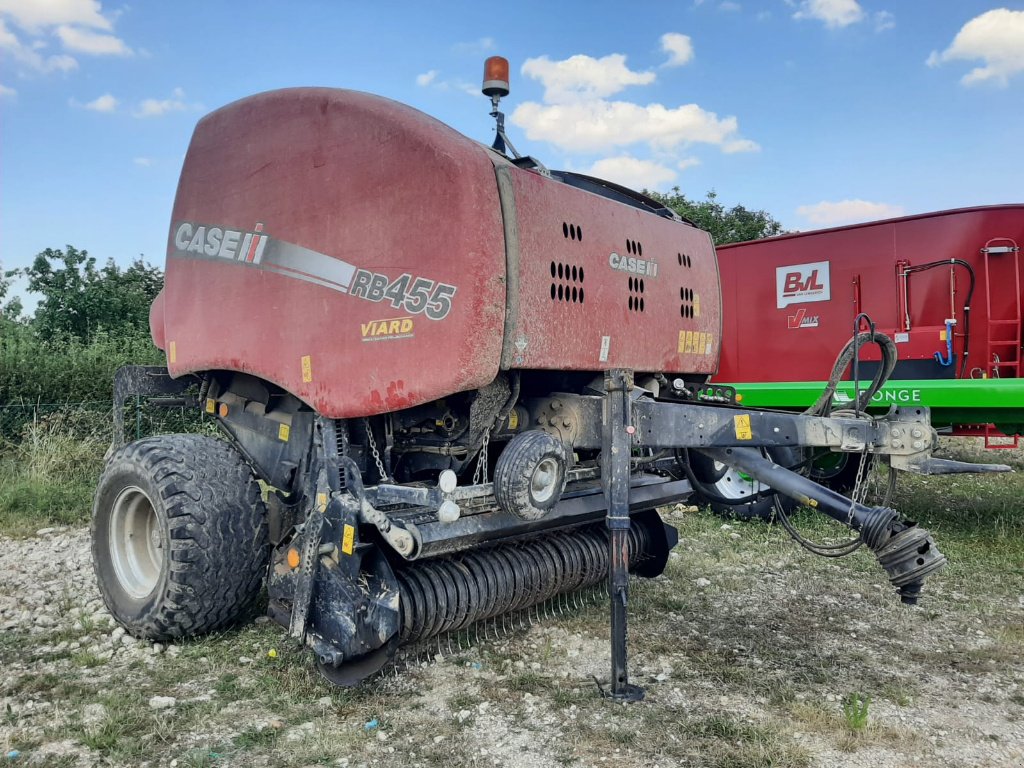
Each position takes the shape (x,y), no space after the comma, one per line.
(820,111)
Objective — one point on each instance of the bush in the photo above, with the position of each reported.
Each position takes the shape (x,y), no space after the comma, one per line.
(67,370)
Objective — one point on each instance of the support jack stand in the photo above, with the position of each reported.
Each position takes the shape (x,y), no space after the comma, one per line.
(617,444)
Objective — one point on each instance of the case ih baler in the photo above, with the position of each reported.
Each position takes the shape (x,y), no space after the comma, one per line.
(465,383)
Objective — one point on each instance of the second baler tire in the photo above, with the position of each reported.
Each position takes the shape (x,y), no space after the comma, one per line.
(204,506)
(842,476)
(762,508)
(514,471)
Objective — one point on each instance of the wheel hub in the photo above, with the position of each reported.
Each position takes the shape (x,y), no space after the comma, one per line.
(136,542)
(544,481)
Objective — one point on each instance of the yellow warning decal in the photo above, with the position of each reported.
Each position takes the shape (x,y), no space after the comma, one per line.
(172,352)
(211,405)
(696,305)
(682,341)
(942,335)
(689,342)
(513,420)
(348,539)
(742,425)
(321,502)
(283,431)
(709,343)
(698,346)
(307,368)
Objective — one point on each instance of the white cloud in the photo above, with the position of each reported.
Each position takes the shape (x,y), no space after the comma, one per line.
(79,25)
(29,56)
(87,41)
(834,13)
(483,45)
(142,162)
(678,47)
(597,126)
(104,103)
(687,162)
(426,78)
(728,5)
(35,15)
(884,21)
(5,91)
(633,173)
(158,107)
(826,214)
(583,77)
(740,145)
(997,38)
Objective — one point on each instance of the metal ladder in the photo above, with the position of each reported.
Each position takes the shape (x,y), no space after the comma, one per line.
(1003,335)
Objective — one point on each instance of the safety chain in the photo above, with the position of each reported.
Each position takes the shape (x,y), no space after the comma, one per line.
(859,494)
(374,452)
(480,473)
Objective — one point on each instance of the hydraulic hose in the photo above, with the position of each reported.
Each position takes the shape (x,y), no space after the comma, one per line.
(823,405)
(967,301)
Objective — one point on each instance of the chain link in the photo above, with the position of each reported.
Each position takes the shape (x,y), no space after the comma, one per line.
(480,473)
(374,452)
(859,493)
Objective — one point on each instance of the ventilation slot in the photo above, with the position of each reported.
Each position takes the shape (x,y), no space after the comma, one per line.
(689,306)
(634,248)
(572,232)
(636,294)
(684,260)
(566,282)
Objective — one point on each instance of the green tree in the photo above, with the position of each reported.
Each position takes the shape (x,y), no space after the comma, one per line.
(726,225)
(10,310)
(79,300)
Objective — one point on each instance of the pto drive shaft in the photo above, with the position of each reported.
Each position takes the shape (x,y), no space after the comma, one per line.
(907,553)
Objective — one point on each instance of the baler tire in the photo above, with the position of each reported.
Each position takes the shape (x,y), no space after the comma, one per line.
(762,508)
(843,476)
(201,558)
(514,474)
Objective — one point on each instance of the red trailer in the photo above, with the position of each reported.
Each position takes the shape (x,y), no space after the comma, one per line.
(945,286)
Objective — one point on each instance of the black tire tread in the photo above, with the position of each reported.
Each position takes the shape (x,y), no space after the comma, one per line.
(514,468)
(216,528)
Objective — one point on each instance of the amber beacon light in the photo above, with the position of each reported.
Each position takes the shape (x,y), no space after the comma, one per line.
(495,77)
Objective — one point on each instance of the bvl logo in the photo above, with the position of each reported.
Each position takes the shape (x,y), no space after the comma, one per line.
(802,283)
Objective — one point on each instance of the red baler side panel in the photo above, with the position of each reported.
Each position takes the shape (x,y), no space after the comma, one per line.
(298,213)
(799,341)
(578,312)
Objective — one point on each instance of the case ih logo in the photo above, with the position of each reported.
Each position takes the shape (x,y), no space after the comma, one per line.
(802,283)
(221,242)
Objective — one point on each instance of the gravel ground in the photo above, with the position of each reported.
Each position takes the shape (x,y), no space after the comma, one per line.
(746,654)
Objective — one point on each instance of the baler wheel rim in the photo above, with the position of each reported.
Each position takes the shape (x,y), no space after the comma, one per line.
(137,544)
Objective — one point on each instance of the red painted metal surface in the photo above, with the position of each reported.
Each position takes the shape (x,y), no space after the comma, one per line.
(659,310)
(362,181)
(763,342)
(353,251)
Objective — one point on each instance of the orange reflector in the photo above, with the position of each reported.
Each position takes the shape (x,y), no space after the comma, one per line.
(293,558)
(223,410)
(739,398)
